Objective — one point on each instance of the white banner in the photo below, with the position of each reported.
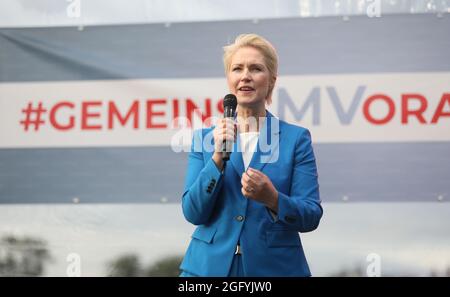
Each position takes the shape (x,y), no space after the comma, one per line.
(398,107)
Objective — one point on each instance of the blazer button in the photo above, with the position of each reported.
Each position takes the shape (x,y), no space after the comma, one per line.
(239,218)
(290,219)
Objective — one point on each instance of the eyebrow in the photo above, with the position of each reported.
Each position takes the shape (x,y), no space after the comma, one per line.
(252,64)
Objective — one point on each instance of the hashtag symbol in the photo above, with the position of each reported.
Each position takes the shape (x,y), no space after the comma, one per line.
(33,116)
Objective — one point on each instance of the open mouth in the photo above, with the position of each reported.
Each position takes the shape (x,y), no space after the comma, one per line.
(246,89)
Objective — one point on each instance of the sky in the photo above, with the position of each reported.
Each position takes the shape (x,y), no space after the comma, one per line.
(27,13)
(409,238)
(54,12)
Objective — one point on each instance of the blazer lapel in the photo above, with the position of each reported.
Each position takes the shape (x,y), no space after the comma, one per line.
(267,148)
(236,157)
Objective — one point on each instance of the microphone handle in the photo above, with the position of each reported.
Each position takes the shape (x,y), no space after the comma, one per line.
(225,154)
(226,146)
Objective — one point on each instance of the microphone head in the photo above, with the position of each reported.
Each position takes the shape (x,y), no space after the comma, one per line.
(230,101)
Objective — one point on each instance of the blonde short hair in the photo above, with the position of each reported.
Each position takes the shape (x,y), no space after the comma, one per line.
(261,44)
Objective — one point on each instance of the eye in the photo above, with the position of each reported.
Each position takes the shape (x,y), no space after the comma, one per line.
(257,68)
(236,68)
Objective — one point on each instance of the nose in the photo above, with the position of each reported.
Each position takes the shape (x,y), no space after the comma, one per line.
(246,75)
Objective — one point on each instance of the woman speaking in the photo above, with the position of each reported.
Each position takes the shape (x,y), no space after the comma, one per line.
(249,213)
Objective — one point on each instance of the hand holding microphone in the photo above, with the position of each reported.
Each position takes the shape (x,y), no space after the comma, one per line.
(225,131)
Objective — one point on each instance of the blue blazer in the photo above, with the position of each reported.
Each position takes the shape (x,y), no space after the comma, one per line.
(213,200)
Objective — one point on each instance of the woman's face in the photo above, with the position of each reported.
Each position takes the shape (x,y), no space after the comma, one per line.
(248,77)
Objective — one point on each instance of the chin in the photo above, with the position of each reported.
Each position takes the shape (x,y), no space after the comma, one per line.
(249,103)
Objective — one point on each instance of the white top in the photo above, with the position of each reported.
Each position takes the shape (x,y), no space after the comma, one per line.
(248,141)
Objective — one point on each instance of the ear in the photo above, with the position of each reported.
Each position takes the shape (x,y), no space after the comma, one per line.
(271,86)
(274,79)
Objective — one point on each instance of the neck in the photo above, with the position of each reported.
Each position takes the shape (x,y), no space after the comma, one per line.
(249,118)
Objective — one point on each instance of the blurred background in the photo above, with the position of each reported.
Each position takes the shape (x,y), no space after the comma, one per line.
(94,96)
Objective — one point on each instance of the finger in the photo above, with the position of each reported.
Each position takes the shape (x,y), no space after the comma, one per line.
(249,184)
(255,172)
(230,131)
(256,180)
(227,138)
(221,123)
(246,182)
(252,170)
(243,181)
(229,122)
(231,134)
(252,184)
(220,141)
(245,193)
(227,131)
(252,175)
(248,179)
(227,125)
(245,177)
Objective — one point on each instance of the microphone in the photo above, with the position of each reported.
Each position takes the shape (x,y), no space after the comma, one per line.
(229,111)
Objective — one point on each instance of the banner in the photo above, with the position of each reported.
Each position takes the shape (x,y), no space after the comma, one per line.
(98,115)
